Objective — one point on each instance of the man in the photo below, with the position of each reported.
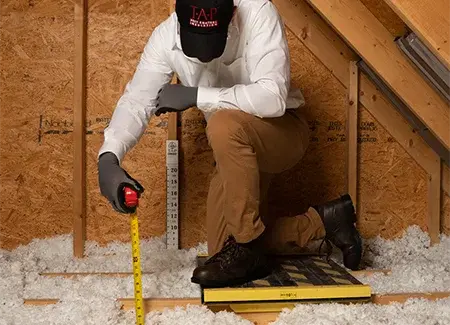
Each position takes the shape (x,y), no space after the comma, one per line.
(232,59)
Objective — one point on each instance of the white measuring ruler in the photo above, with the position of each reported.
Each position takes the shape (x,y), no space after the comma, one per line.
(172,226)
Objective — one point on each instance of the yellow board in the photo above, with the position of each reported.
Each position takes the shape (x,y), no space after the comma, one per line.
(295,279)
(287,293)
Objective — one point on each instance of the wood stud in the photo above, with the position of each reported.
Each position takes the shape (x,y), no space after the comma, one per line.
(352,134)
(79,131)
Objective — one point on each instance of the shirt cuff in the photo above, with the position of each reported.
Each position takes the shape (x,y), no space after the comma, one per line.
(116,147)
(207,98)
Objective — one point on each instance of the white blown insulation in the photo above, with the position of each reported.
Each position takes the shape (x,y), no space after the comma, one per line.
(415,266)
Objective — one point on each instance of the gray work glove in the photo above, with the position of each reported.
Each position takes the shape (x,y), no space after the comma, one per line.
(112,180)
(175,98)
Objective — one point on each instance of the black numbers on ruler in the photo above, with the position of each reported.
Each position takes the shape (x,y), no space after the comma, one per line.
(173,169)
(174,227)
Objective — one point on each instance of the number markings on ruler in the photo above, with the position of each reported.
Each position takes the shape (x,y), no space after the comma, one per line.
(135,243)
(172,193)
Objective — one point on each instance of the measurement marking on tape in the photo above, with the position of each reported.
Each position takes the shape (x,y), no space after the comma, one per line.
(139,307)
(172,227)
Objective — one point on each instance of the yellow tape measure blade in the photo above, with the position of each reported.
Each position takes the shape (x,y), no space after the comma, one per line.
(137,272)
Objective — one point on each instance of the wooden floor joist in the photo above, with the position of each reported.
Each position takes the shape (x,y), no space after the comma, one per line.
(85,274)
(367,272)
(335,54)
(430,20)
(262,318)
(374,43)
(157,304)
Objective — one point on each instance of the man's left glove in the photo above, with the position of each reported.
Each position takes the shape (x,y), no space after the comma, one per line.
(175,98)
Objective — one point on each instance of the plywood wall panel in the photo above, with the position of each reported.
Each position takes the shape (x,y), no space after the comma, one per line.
(117,34)
(445,215)
(391,199)
(35,165)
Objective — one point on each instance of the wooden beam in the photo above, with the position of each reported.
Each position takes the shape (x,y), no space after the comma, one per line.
(79,131)
(367,272)
(386,299)
(428,64)
(373,42)
(158,304)
(430,20)
(434,202)
(258,318)
(335,54)
(404,110)
(86,274)
(172,172)
(172,126)
(370,272)
(40,301)
(352,134)
(173,117)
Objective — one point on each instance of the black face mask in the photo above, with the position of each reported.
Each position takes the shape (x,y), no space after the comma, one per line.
(207,59)
(204,57)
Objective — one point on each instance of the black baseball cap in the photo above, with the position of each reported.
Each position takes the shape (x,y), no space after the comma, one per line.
(204,27)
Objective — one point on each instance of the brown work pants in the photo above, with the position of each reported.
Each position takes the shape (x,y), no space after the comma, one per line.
(248,152)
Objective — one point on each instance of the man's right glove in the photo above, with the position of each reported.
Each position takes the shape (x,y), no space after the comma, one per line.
(112,180)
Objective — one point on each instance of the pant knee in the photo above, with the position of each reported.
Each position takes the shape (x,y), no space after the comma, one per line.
(224,129)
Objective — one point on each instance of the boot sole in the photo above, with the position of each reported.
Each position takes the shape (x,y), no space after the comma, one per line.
(349,211)
(356,255)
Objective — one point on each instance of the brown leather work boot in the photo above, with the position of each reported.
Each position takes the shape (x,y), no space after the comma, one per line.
(339,217)
(234,264)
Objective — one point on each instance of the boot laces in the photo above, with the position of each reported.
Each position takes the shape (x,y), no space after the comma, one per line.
(329,248)
(230,252)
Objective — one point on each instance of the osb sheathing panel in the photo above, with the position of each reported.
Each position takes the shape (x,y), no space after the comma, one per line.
(445,214)
(36,144)
(118,31)
(36,80)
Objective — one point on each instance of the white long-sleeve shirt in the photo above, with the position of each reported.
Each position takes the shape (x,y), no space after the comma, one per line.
(252,75)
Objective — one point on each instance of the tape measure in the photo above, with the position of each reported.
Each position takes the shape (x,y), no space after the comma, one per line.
(172,227)
(131,200)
